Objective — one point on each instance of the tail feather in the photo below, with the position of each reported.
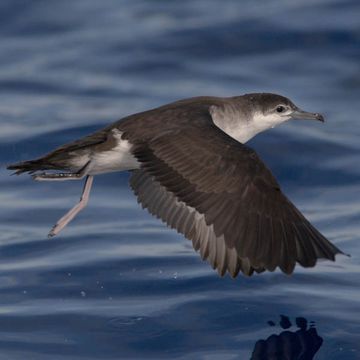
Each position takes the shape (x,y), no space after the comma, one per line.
(29,166)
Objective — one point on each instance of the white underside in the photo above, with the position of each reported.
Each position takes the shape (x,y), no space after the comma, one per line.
(119,158)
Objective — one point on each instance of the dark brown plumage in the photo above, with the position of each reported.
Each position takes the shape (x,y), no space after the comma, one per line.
(202,182)
(242,203)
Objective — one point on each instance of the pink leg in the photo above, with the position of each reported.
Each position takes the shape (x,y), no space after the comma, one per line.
(75,210)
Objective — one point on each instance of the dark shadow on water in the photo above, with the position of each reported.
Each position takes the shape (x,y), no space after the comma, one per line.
(302,344)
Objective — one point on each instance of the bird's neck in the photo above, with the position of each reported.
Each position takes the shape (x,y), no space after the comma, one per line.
(239,125)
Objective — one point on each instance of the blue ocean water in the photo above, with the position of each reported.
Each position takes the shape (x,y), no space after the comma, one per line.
(117,284)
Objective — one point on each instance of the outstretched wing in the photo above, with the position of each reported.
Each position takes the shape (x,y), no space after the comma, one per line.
(219,194)
(186,220)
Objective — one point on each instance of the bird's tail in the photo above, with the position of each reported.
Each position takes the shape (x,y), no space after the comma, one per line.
(30,166)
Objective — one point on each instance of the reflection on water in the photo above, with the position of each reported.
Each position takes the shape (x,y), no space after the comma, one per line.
(301,344)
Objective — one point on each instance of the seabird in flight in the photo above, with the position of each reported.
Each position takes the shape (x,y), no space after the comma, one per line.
(190,168)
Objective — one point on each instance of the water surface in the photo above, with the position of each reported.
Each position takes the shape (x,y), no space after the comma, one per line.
(117,284)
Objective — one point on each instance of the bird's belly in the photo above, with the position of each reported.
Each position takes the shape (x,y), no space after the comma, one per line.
(119,158)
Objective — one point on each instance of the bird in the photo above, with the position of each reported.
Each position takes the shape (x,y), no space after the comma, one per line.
(191,168)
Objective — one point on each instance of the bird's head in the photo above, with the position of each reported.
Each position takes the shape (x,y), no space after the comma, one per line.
(258,112)
(269,110)
(245,116)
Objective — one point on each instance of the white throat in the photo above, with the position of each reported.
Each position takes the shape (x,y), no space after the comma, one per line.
(243,130)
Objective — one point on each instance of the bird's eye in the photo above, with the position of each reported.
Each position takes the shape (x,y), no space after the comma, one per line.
(280,109)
